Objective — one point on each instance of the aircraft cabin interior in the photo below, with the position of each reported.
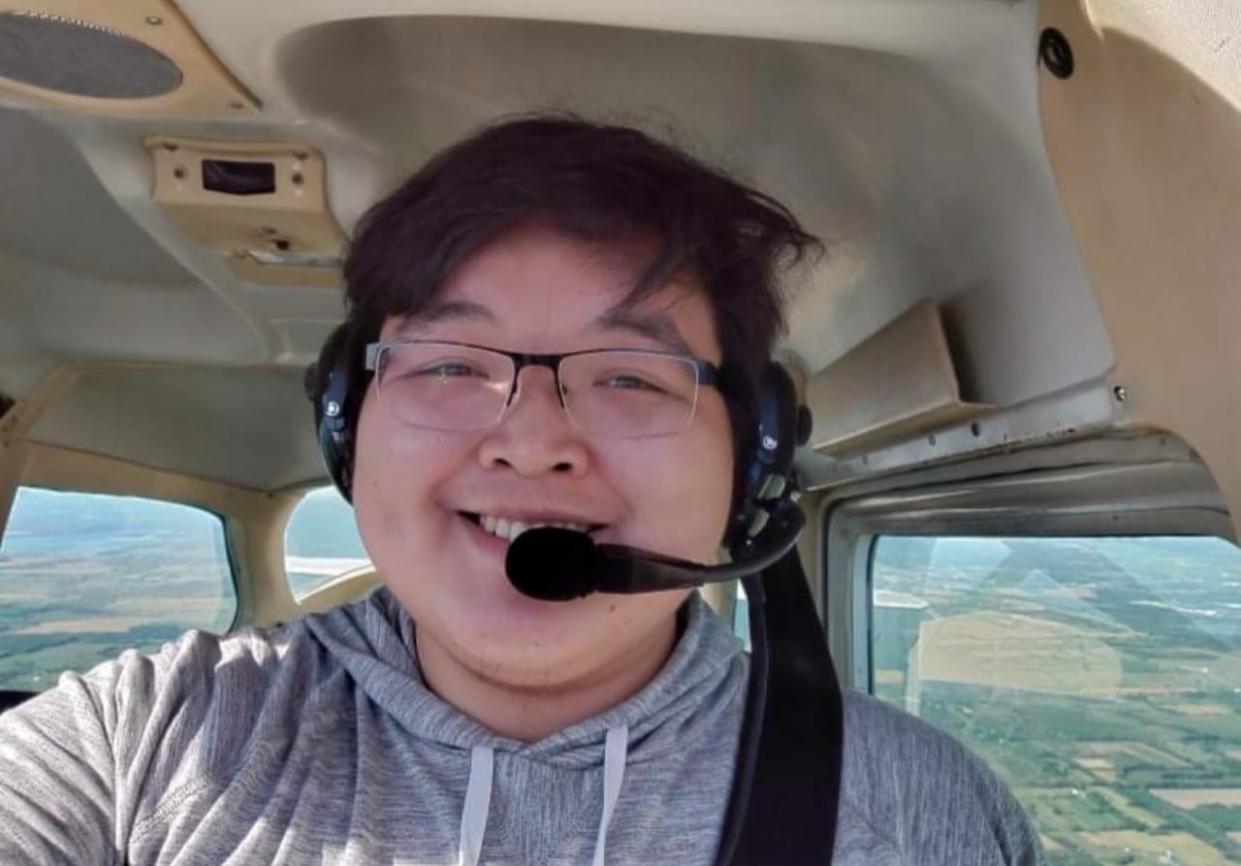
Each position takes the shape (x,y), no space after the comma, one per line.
(1020,349)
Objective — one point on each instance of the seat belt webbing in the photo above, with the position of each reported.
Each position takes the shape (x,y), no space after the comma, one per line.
(786,789)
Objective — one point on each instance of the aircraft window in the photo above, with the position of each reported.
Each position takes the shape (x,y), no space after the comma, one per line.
(1100,678)
(321,542)
(84,576)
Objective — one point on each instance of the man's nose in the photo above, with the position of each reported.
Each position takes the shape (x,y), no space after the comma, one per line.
(535,435)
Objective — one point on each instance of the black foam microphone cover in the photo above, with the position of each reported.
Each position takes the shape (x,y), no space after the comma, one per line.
(553,564)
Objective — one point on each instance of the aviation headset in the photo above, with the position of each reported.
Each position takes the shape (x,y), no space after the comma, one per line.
(337,383)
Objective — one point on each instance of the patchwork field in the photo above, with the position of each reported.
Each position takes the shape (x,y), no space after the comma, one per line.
(1200,709)
(1143,752)
(1049,656)
(82,625)
(1101,678)
(1192,798)
(1186,849)
(1100,767)
(1122,805)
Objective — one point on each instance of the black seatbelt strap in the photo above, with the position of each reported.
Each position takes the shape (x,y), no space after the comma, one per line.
(786,788)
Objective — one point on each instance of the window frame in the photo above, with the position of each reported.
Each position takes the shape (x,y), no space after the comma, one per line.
(340,588)
(1094,500)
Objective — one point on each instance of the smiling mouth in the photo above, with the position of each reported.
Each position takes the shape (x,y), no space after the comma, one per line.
(510,529)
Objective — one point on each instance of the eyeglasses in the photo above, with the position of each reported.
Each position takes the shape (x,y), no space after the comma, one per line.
(623,393)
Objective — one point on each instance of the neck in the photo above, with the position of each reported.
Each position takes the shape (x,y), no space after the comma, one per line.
(532,712)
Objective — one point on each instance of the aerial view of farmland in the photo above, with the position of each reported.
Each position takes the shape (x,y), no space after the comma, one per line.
(1101,678)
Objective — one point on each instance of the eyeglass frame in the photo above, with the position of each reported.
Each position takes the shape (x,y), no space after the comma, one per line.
(707,372)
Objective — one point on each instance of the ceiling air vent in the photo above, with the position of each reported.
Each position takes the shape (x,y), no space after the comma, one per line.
(261,205)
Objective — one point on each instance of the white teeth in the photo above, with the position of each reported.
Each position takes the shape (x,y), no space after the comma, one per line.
(510,529)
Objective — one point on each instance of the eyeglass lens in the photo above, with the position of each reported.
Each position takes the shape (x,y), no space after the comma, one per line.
(622,393)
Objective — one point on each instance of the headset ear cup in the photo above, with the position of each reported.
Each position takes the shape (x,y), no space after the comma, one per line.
(336,404)
(769,465)
(335,433)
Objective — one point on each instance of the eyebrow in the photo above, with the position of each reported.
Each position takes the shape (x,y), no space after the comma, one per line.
(654,326)
(442,309)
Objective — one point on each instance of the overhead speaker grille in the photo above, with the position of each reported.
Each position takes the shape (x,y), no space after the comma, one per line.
(77,57)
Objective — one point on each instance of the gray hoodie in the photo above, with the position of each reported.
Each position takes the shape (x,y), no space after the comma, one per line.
(318,742)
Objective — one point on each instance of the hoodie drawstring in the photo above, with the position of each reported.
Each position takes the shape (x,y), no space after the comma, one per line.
(615,754)
(477,805)
(478,795)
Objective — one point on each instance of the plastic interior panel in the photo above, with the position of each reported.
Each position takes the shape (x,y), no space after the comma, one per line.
(899,382)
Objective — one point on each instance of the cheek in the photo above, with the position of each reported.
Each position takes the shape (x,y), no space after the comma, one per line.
(679,493)
(395,476)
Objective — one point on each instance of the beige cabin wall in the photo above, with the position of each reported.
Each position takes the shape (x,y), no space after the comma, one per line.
(1146,155)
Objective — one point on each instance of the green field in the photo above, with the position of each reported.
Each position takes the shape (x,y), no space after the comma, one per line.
(83,578)
(1101,678)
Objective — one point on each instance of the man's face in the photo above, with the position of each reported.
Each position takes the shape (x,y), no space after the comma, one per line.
(535,290)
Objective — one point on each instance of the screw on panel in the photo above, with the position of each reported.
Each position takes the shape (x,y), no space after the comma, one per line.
(1121,393)
(179,172)
(154,20)
(1055,52)
(769,443)
(333,409)
(297,178)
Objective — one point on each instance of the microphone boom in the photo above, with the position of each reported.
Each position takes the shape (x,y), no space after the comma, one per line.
(555,564)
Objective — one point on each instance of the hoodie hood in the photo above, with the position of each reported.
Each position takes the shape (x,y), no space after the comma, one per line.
(373,641)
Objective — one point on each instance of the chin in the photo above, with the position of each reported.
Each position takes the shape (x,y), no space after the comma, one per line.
(516,657)
(524,642)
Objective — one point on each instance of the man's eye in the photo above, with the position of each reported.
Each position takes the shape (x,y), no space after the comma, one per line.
(448,369)
(628,381)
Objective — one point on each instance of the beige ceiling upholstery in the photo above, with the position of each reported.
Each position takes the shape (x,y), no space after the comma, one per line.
(244,426)
(906,132)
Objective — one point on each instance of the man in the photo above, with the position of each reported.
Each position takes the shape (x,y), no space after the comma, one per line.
(552,323)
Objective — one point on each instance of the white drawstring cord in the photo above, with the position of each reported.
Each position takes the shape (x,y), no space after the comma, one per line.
(477,805)
(478,796)
(615,754)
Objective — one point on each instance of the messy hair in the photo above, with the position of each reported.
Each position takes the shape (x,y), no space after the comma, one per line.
(597,183)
